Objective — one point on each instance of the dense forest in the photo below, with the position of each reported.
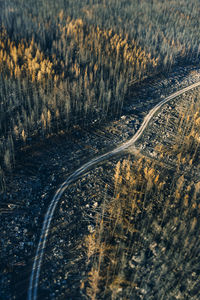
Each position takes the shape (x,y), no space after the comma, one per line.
(145,237)
(67,63)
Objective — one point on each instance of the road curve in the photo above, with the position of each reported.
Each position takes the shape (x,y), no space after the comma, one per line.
(35,273)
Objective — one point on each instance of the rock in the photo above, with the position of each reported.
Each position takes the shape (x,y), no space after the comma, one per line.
(95,205)
(91,228)
(11,206)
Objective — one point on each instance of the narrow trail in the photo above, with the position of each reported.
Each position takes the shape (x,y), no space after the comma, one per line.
(35,273)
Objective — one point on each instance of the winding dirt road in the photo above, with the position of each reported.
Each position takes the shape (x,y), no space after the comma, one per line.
(35,273)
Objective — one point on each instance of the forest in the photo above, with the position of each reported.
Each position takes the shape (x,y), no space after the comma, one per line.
(147,227)
(68,63)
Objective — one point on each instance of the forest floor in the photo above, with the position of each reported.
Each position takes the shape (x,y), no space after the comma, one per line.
(42,167)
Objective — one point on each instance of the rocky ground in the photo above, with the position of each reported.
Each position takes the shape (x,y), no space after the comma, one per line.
(40,169)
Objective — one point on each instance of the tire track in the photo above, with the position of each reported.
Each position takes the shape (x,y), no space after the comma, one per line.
(35,273)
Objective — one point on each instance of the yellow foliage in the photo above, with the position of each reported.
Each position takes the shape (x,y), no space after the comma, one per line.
(117,173)
(90,243)
(94,279)
(30,64)
(23,135)
(156,179)
(186,198)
